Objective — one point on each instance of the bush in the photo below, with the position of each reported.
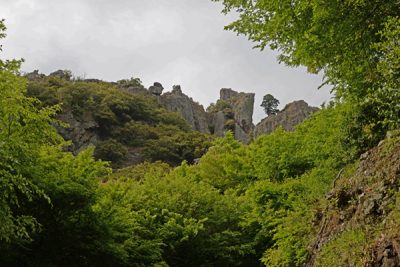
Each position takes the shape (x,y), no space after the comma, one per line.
(111,150)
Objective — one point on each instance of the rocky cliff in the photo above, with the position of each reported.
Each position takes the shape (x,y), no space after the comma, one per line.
(191,111)
(359,225)
(293,114)
(233,111)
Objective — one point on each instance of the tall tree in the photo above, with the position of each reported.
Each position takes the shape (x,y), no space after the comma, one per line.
(335,37)
(270,104)
(351,42)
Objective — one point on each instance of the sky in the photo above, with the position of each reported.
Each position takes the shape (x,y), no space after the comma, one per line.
(172,42)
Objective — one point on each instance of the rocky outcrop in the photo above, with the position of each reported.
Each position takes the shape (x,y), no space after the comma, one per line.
(81,130)
(218,122)
(191,111)
(293,114)
(34,75)
(233,111)
(62,74)
(365,203)
(156,89)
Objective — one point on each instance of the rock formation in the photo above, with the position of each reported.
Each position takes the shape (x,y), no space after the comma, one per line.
(156,89)
(62,74)
(233,111)
(191,111)
(81,130)
(236,114)
(365,197)
(293,114)
(34,75)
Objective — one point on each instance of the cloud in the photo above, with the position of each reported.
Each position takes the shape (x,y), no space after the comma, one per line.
(173,42)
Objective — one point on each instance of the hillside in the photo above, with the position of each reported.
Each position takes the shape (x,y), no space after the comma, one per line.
(96,173)
(129,124)
(123,120)
(359,225)
(286,199)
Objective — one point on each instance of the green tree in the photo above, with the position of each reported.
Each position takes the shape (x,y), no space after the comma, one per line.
(270,104)
(350,42)
(46,195)
(334,36)
(23,131)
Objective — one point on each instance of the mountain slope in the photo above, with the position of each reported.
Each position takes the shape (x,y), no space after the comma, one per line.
(360,223)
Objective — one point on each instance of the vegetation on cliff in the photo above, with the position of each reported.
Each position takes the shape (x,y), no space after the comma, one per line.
(120,122)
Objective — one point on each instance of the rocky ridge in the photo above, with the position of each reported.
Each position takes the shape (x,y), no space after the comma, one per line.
(191,111)
(233,111)
(293,114)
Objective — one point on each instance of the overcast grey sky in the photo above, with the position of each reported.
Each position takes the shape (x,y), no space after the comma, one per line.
(173,42)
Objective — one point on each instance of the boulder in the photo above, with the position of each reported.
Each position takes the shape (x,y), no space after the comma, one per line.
(62,74)
(156,89)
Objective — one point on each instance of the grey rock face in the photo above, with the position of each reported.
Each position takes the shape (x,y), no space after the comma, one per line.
(242,107)
(192,112)
(227,93)
(62,74)
(156,89)
(293,114)
(219,123)
(241,135)
(82,130)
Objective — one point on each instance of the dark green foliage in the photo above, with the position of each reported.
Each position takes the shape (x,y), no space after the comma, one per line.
(132,82)
(126,121)
(270,104)
(111,150)
(173,146)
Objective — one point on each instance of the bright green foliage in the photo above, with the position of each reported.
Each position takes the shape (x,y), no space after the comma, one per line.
(294,170)
(225,165)
(240,204)
(46,194)
(319,139)
(46,215)
(353,43)
(183,222)
(334,36)
(386,98)
(348,249)
(24,131)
